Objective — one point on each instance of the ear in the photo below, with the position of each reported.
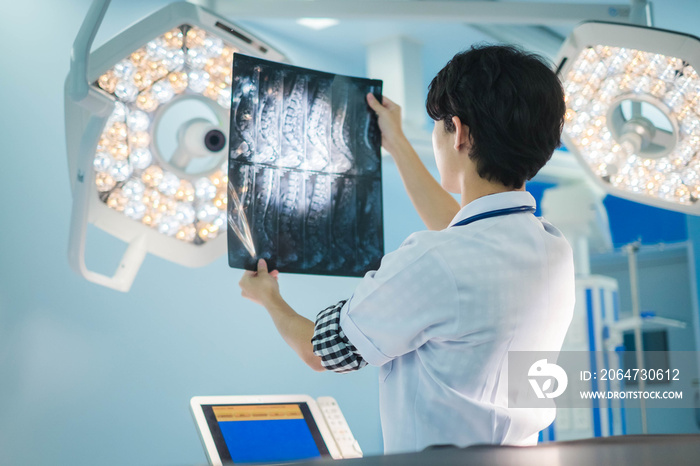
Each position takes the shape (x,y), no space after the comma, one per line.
(462,138)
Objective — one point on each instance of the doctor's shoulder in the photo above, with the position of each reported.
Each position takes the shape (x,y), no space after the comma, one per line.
(425,239)
(437,243)
(554,235)
(550,228)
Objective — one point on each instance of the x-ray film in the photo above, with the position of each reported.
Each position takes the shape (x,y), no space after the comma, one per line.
(305,188)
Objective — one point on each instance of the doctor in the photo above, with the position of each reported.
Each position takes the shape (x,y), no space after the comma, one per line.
(442,312)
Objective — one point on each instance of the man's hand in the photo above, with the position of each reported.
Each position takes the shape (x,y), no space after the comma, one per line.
(389,120)
(434,205)
(260,287)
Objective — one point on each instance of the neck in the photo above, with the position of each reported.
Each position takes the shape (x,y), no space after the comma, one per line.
(474,187)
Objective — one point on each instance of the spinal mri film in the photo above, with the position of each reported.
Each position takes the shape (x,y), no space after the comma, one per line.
(305,188)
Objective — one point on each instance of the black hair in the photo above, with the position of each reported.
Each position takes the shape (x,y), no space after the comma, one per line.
(513,104)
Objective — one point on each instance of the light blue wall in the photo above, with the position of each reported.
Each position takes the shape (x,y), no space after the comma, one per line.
(93,376)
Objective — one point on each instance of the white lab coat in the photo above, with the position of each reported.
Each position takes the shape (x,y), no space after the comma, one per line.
(441,314)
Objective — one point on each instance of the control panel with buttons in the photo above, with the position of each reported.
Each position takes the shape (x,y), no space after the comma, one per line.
(348,446)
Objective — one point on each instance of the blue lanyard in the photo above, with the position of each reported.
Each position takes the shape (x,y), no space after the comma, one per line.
(495,213)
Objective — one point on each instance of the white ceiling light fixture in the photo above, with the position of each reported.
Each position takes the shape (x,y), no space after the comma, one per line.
(317,23)
(633,111)
(146,121)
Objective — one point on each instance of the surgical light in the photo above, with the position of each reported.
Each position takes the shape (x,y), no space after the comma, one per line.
(633,111)
(146,118)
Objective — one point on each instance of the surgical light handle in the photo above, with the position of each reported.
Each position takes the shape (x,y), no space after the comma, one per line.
(128,267)
(191,139)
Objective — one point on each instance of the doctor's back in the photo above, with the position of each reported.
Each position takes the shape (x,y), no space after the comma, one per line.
(442,312)
(499,284)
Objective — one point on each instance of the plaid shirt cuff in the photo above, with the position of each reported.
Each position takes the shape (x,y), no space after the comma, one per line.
(331,345)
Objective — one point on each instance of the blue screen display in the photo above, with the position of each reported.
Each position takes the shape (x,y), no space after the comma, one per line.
(269,440)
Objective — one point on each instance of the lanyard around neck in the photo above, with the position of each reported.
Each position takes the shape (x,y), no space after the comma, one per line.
(495,213)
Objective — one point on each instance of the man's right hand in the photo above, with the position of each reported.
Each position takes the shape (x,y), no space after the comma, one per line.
(434,205)
(389,120)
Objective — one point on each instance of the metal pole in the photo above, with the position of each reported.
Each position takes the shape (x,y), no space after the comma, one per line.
(81,49)
(632,250)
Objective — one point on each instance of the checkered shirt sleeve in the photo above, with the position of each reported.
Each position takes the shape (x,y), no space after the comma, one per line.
(331,345)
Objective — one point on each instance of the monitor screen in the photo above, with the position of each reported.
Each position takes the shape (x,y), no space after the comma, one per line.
(264,433)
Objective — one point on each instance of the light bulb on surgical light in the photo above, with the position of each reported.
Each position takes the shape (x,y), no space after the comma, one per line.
(124,103)
(633,113)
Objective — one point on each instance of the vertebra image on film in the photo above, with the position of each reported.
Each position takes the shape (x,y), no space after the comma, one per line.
(305,189)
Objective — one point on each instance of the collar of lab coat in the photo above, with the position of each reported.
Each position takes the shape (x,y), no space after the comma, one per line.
(492,202)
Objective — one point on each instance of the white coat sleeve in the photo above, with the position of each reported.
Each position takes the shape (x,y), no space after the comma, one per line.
(409,300)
